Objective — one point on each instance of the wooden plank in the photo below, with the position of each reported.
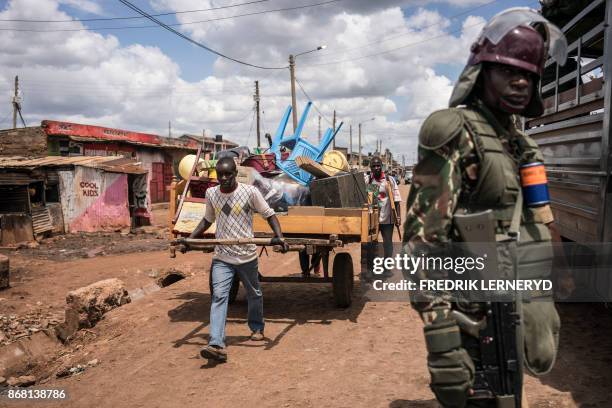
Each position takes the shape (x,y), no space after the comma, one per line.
(291,224)
(186,190)
(303,224)
(314,168)
(343,212)
(172,206)
(195,200)
(342,225)
(303,210)
(41,220)
(195,242)
(365,225)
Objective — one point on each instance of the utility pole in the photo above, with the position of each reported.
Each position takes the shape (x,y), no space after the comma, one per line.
(256,97)
(334,129)
(319,128)
(292,73)
(16,102)
(351,142)
(293,102)
(169,129)
(359,162)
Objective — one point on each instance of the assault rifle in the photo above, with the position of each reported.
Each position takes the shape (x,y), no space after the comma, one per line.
(499,373)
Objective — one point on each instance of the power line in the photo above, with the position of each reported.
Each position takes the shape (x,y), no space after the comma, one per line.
(396,36)
(239,122)
(134,17)
(21,116)
(173,24)
(172,30)
(143,91)
(250,127)
(313,104)
(263,121)
(394,49)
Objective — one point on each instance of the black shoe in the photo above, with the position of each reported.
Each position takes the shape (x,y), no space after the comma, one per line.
(214,353)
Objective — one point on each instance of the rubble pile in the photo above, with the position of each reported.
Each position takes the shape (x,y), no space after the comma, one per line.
(86,306)
(14,327)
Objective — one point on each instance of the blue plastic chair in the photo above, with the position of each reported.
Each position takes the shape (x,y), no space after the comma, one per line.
(290,141)
(304,148)
(275,147)
(299,146)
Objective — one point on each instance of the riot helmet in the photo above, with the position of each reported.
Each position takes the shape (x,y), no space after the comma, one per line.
(519,37)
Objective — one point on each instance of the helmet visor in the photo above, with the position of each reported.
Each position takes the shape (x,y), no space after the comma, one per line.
(505,21)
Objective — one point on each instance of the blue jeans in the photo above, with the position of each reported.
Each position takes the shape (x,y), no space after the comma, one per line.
(386,230)
(222,277)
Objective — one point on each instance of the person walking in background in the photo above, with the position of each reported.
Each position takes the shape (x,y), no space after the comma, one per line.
(387,198)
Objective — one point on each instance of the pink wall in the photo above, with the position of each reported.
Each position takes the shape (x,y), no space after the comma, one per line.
(93,200)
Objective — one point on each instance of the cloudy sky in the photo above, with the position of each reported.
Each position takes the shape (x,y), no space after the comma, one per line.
(392,60)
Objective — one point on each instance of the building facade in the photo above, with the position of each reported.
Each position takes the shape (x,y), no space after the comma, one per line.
(158,155)
(70,194)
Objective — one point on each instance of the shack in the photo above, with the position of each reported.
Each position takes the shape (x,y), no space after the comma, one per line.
(70,194)
(158,155)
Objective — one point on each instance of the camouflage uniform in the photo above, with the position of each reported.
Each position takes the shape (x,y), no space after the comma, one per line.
(468,162)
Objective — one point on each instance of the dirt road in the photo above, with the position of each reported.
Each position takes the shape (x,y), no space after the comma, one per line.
(369,355)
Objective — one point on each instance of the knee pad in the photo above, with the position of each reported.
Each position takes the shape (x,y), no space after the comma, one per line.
(450,366)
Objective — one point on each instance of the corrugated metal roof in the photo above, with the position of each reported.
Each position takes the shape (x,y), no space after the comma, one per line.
(88,133)
(112,164)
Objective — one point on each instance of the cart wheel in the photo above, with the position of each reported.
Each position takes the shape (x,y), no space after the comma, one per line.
(342,279)
(233,290)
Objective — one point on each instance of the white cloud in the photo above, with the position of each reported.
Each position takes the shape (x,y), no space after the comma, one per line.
(92,78)
(85,5)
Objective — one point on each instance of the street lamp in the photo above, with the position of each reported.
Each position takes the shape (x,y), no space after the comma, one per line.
(292,72)
(365,121)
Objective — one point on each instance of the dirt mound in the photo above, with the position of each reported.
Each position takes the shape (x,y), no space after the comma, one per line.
(86,306)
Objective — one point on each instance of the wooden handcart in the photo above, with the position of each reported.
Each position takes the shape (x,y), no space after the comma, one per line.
(316,230)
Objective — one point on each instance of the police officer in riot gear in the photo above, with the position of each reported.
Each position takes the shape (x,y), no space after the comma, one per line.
(470,157)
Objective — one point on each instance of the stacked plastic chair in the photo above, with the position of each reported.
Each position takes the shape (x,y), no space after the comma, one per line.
(299,146)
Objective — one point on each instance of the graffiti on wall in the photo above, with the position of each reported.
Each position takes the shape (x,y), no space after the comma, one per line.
(94,200)
(89,188)
(139,187)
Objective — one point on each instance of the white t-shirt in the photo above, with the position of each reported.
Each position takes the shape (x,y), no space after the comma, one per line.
(233,213)
(379,187)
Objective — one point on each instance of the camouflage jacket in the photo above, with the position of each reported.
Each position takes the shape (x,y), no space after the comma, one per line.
(441,180)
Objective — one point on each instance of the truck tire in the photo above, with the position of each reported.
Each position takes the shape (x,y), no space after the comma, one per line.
(233,290)
(342,279)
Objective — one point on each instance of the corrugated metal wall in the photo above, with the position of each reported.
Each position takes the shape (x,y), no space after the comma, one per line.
(14,199)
